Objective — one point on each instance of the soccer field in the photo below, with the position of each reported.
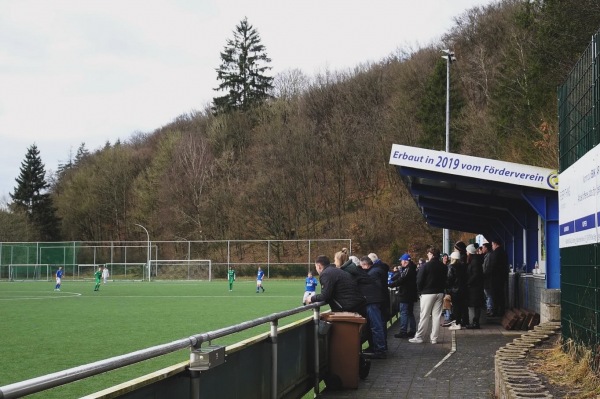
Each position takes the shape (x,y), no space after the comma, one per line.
(44,331)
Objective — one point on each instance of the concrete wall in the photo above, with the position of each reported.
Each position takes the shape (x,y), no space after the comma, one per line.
(528,291)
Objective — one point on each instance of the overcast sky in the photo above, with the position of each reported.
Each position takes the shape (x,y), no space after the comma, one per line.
(82,71)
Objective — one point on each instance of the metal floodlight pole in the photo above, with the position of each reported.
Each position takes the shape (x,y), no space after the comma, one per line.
(449,57)
(147,249)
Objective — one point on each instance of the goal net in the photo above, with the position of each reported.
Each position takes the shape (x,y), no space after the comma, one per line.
(85,271)
(127,271)
(31,272)
(193,269)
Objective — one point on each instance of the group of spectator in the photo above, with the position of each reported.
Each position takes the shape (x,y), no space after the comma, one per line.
(468,280)
(471,278)
(353,284)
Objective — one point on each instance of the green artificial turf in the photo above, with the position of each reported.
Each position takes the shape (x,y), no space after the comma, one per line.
(44,331)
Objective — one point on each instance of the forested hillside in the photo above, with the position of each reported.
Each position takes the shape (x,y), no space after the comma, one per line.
(312,162)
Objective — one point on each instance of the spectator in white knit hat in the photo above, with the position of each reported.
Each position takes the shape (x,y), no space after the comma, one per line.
(383,269)
(475,280)
(456,287)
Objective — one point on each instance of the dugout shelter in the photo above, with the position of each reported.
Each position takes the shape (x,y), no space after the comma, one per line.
(513,202)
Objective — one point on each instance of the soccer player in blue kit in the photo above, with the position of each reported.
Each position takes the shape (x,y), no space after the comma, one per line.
(311,287)
(259,280)
(59,274)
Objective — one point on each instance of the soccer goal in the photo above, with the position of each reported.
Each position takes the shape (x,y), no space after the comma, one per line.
(31,272)
(126,271)
(192,269)
(85,271)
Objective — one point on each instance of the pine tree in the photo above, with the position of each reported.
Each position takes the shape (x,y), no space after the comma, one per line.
(244,63)
(31,198)
(81,155)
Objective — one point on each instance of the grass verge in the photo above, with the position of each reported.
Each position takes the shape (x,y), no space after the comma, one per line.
(568,367)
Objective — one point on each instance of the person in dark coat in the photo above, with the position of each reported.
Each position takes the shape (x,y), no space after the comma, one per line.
(445,259)
(350,266)
(498,263)
(370,289)
(461,247)
(375,303)
(456,287)
(386,311)
(338,289)
(406,282)
(476,297)
(486,250)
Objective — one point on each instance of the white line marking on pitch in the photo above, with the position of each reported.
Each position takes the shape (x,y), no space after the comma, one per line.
(445,357)
(49,296)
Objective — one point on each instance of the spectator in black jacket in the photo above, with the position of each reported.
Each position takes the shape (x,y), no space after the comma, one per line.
(375,302)
(456,287)
(461,247)
(406,282)
(384,268)
(369,288)
(476,297)
(498,264)
(486,250)
(338,289)
(431,282)
(445,259)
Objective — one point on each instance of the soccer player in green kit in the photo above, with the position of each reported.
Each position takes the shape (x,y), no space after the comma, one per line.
(231,278)
(98,277)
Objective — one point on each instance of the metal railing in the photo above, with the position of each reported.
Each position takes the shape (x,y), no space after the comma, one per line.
(38,384)
(227,253)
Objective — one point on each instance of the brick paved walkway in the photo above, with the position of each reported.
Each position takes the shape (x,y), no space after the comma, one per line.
(410,370)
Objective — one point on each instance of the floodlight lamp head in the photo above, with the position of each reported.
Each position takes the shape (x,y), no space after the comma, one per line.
(449,55)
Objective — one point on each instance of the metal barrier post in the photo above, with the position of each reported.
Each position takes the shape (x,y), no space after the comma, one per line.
(274,359)
(316,317)
(194,374)
(194,384)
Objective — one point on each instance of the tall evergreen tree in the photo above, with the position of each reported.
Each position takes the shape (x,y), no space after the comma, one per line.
(31,198)
(244,63)
(81,155)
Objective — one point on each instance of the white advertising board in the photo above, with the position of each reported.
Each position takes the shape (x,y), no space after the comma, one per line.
(579,201)
(479,168)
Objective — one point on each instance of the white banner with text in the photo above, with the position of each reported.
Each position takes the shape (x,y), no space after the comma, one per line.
(579,201)
(475,167)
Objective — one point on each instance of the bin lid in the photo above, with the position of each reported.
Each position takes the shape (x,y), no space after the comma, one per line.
(344,316)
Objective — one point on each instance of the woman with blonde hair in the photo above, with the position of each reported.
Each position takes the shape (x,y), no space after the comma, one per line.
(340,257)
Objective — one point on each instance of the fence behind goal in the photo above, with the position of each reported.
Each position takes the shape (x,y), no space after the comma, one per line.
(168,260)
(24,272)
(193,269)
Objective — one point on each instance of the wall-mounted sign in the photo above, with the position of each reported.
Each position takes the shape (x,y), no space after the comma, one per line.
(579,201)
(479,168)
